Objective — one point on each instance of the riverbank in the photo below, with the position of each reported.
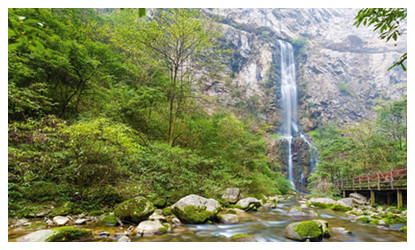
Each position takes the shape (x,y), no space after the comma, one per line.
(267,223)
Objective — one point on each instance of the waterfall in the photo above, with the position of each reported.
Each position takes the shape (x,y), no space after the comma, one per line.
(290,128)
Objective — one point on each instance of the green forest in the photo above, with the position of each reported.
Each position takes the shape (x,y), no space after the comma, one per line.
(105,105)
(99,112)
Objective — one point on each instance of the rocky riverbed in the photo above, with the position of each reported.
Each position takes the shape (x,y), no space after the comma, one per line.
(199,219)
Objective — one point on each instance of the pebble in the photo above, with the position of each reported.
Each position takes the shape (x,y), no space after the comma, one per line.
(103,234)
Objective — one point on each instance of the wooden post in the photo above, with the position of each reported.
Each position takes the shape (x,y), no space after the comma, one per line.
(360,183)
(368,182)
(391,178)
(378,181)
(372,198)
(399,200)
(344,193)
(342,183)
(353,183)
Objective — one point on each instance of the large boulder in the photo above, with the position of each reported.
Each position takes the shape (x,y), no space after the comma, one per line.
(249,204)
(232,195)
(150,227)
(38,236)
(195,209)
(358,197)
(57,235)
(321,202)
(306,230)
(134,210)
(345,204)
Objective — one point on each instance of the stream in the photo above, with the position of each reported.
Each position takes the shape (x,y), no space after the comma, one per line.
(264,225)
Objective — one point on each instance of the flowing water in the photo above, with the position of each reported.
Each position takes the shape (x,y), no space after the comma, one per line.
(289,128)
(266,225)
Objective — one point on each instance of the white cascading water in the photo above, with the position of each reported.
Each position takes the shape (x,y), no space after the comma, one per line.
(289,128)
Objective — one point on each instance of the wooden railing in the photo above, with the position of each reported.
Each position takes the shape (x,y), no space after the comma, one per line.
(390,179)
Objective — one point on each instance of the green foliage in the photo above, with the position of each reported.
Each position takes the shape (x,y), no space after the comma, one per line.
(343,88)
(300,44)
(357,149)
(388,21)
(96,116)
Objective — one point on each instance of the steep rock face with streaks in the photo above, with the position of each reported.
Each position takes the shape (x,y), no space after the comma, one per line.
(341,69)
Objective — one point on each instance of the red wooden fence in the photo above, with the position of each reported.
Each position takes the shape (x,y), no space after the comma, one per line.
(389,179)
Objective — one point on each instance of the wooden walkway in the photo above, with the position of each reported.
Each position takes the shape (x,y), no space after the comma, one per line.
(386,180)
(394,179)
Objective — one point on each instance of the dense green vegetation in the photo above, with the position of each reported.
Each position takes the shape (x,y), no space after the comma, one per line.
(361,148)
(105,105)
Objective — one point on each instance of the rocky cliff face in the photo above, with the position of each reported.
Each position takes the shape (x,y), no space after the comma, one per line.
(341,71)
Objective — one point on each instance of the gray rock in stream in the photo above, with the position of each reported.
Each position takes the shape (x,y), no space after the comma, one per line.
(195,209)
(60,220)
(38,236)
(296,212)
(232,195)
(249,204)
(228,218)
(150,227)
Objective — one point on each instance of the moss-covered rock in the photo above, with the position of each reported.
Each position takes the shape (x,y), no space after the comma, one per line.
(242,238)
(134,210)
(375,222)
(96,212)
(309,230)
(194,209)
(339,207)
(109,220)
(321,202)
(248,204)
(363,219)
(151,227)
(62,210)
(166,211)
(396,219)
(58,235)
(313,230)
(404,229)
(69,234)
(230,211)
(36,225)
(194,215)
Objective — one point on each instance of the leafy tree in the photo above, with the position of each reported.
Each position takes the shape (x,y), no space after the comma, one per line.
(389,21)
(185,40)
